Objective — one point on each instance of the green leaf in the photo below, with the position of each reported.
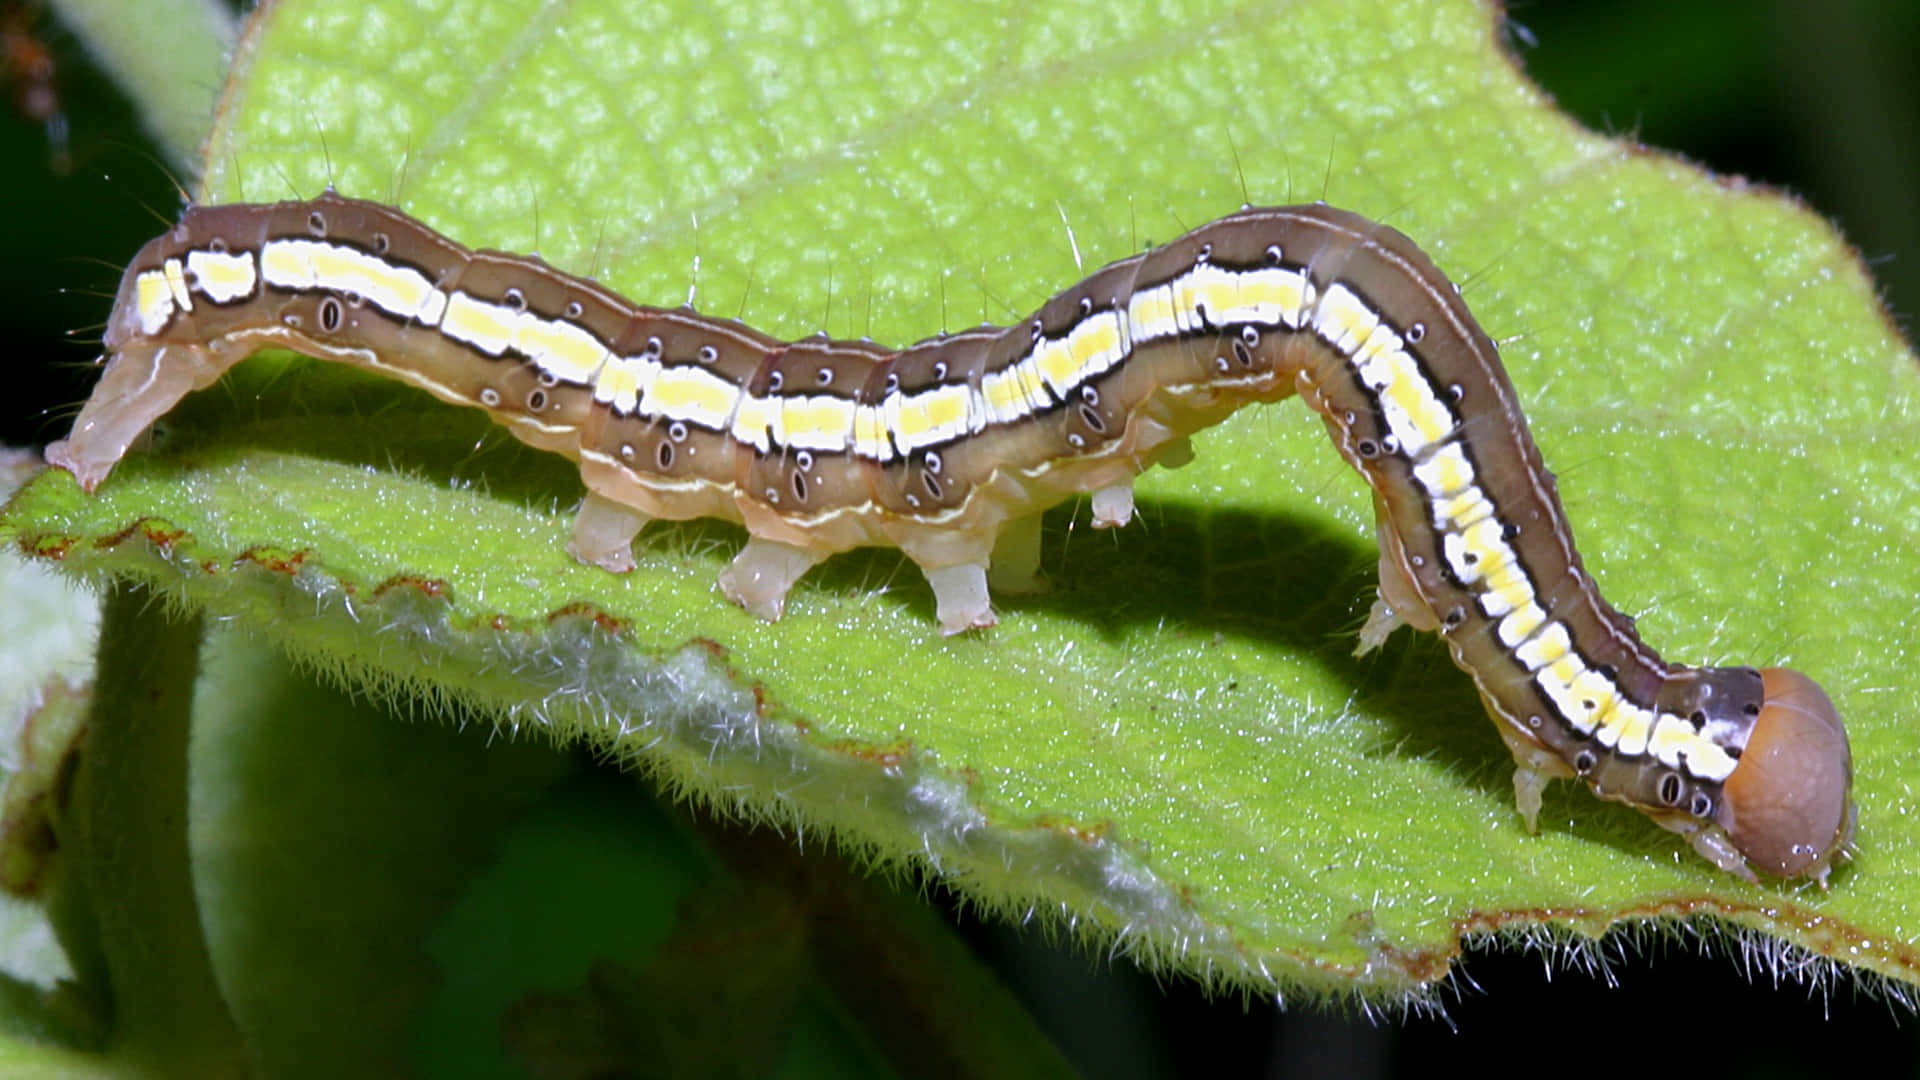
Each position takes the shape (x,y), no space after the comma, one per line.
(167,55)
(1173,750)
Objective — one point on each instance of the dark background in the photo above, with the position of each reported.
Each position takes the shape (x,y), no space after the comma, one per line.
(1820,99)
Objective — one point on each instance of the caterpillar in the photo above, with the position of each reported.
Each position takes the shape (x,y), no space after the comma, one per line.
(949,450)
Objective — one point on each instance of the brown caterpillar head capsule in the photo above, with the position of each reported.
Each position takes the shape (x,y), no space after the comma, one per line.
(1788,807)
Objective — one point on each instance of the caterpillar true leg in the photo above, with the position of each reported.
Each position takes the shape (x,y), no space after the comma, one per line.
(1398,602)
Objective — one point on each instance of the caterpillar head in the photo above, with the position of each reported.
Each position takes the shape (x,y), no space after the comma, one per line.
(1788,806)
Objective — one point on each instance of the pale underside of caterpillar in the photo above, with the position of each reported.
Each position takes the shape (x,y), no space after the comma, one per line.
(951,448)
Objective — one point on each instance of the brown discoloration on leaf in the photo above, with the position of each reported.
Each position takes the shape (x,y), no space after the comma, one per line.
(890,756)
(48,547)
(273,559)
(432,588)
(1090,835)
(159,532)
(612,624)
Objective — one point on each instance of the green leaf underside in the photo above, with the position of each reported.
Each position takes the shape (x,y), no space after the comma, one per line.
(1173,744)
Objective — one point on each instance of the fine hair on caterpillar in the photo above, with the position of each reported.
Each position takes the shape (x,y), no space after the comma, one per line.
(950,449)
